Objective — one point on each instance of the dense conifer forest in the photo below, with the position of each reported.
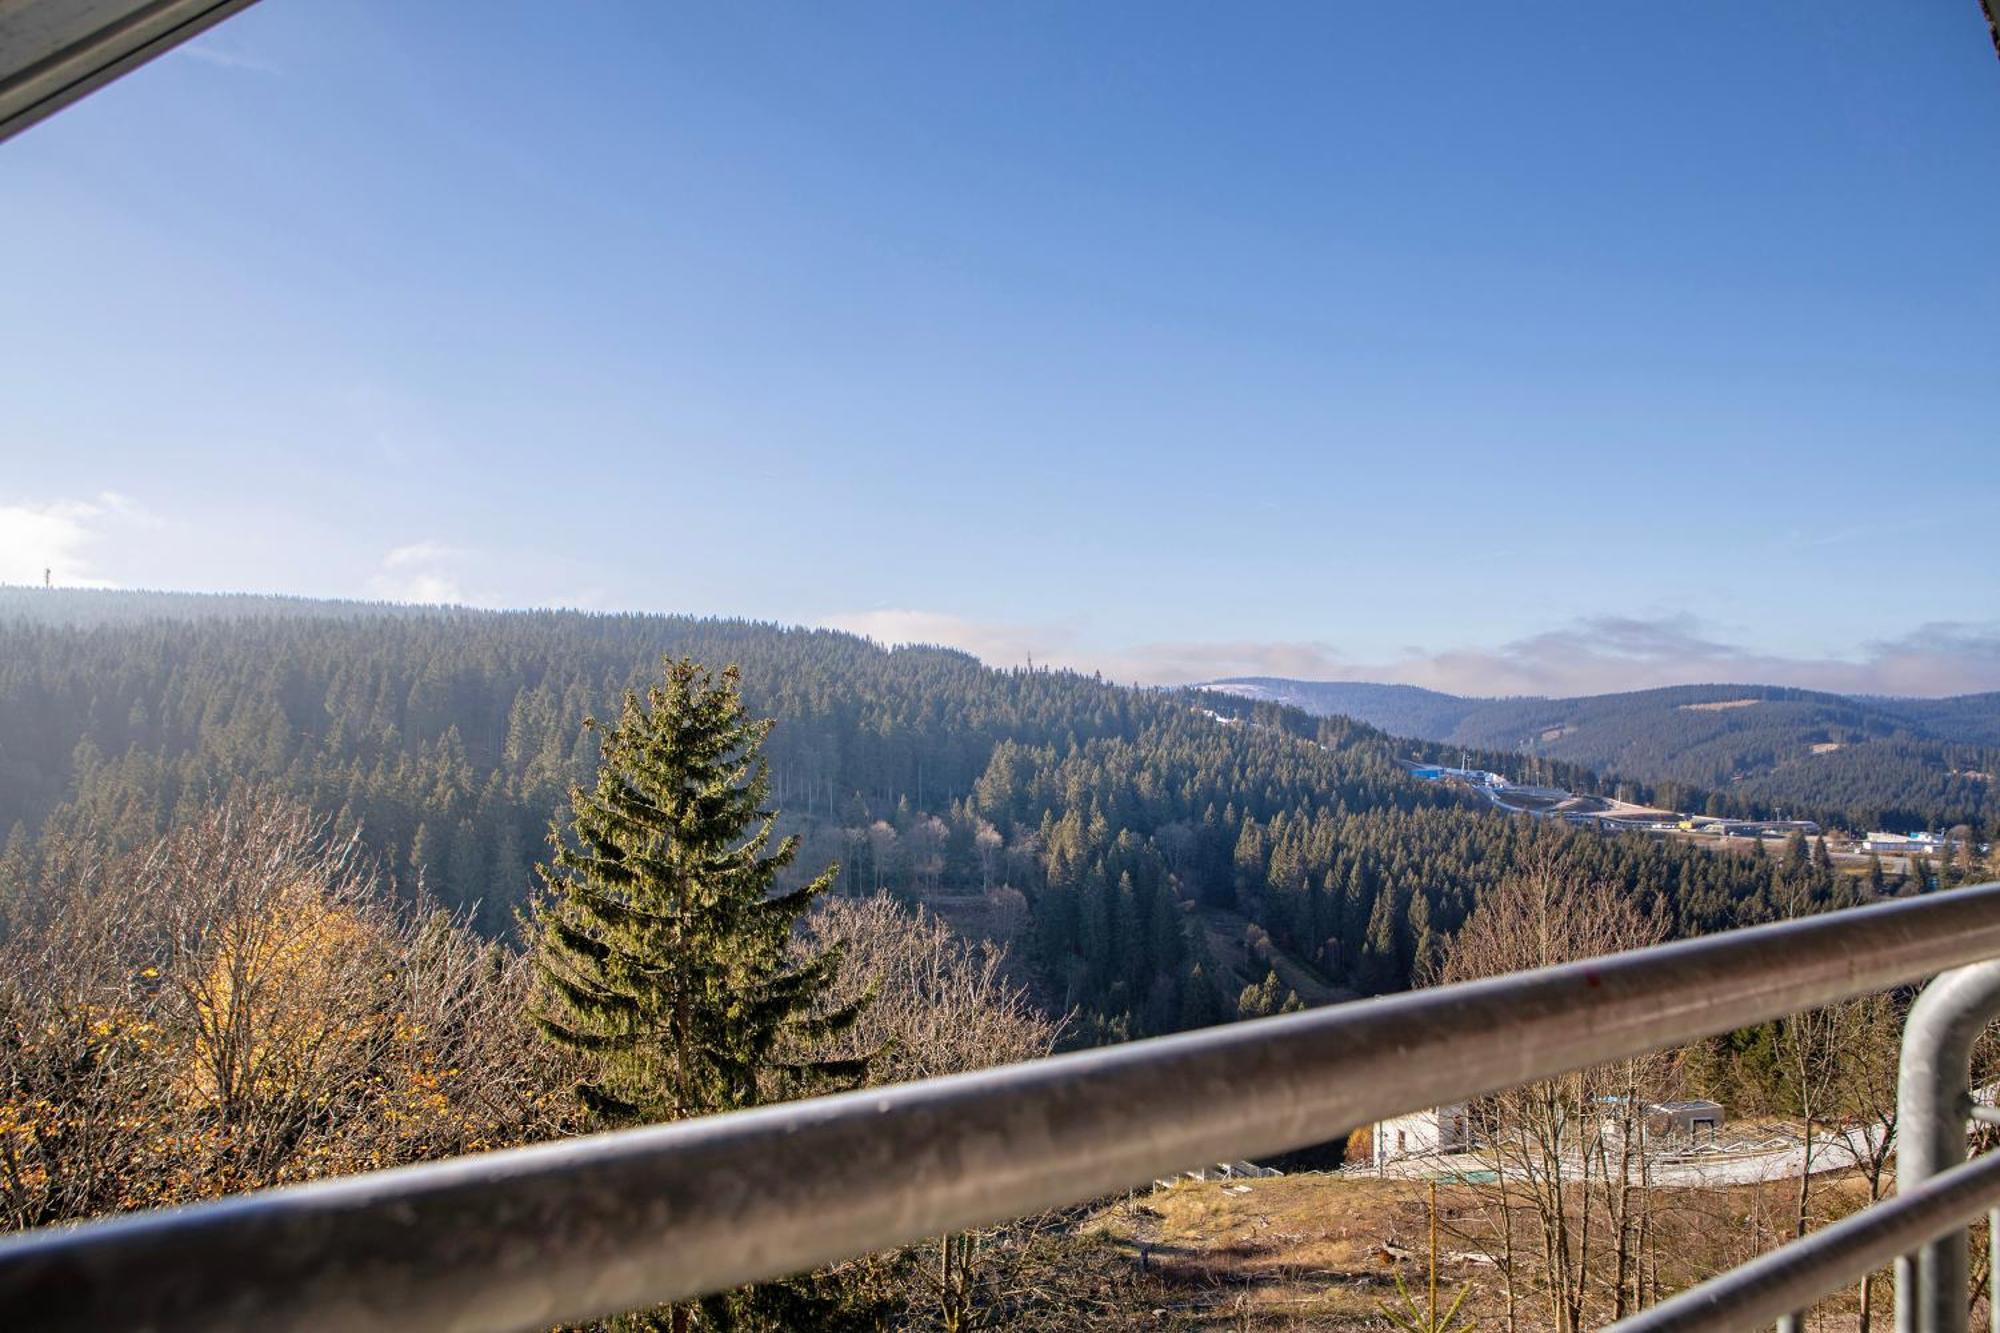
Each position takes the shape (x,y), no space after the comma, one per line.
(1164,859)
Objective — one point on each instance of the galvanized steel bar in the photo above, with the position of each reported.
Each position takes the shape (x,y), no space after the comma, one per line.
(568,1231)
(1934,1101)
(54,51)
(1799,1273)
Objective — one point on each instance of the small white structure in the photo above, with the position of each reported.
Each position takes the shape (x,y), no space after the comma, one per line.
(1688,1122)
(1667,1123)
(1425,1133)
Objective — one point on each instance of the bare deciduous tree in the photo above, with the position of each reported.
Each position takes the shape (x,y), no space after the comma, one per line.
(942,1006)
(986,844)
(241,1004)
(1565,1150)
(1867,1098)
(77,1052)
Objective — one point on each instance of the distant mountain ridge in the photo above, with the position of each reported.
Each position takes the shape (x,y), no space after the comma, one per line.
(1912,760)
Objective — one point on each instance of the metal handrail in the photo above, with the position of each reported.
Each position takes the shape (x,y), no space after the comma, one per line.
(569,1231)
(1795,1275)
(1933,1103)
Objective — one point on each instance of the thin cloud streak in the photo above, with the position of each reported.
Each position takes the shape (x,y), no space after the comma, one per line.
(210,52)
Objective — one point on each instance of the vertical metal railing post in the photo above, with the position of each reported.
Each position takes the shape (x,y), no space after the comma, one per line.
(1934,1100)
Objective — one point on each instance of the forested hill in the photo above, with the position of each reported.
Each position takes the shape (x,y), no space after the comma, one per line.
(1866,761)
(1401,710)
(1152,852)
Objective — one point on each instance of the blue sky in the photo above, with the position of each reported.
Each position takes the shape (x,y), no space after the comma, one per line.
(1505,348)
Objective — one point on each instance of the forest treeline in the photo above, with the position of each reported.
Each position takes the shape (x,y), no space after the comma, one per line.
(1166,859)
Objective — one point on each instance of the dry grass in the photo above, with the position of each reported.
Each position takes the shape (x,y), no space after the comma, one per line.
(1322,1252)
(1288,1253)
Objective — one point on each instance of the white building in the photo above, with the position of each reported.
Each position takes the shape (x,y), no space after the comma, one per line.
(1918,844)
(1420,1134)
(1673,1122)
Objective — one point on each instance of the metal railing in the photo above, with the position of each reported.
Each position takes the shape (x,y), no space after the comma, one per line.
(569,1231)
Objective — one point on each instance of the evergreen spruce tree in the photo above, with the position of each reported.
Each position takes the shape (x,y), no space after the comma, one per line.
(662,949)
(660,944)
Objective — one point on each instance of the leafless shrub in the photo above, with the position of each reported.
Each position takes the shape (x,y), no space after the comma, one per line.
(942,1006)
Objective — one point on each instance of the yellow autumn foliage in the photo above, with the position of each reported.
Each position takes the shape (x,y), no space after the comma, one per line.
(243,1005)
(287,997)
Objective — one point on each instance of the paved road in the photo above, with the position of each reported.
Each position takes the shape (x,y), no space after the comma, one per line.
(1773,1157)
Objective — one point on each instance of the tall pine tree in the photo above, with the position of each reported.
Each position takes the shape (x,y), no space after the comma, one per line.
(660,941)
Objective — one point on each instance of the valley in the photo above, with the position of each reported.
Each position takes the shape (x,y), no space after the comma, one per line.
(1721,750)
(1086,863)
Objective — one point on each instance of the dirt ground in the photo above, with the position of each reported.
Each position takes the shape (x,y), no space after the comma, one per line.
(1324,1252)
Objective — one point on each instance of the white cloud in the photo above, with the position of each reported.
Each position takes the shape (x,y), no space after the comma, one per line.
(422,572)
(1184,663)
(995,644)
(1595,655)
(63,539)
(428,589)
